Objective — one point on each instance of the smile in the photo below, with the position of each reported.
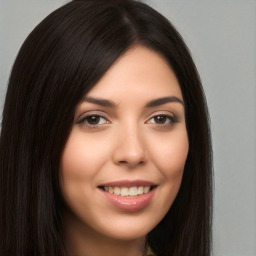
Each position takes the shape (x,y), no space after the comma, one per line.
(129,195)
(128,191)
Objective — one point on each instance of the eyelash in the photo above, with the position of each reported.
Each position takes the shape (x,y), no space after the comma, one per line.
(172,119)
(84,121)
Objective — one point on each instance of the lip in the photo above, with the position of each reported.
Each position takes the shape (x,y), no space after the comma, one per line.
(128,183)
(131,204)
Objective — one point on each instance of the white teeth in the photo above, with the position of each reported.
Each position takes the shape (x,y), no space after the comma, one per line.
(117,190)
(146,189)
(133,191)
(125,191)
(140,190)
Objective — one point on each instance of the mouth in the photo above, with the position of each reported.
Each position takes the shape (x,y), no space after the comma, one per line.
(128,191)
(128,195)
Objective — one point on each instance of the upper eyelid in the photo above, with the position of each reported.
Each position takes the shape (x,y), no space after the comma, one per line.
(170,117)
(105,115)
(162,112)
(91,113)
(82,121)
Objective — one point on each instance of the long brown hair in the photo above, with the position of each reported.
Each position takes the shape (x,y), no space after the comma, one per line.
(59,62)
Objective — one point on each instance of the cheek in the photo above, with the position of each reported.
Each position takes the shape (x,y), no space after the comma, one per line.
(170,158)
(82,157)
(79,166)
(171,154)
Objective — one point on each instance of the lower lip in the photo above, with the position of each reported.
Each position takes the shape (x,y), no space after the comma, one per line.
(132,204)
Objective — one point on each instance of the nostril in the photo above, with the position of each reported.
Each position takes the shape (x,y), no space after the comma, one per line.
(131,164)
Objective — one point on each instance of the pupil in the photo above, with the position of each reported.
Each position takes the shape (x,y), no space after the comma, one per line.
(160,119)
(93,119)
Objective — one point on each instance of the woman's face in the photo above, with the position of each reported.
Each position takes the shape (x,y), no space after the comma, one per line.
(122,166)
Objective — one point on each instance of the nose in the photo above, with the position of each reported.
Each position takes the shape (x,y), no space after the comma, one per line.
(130,148)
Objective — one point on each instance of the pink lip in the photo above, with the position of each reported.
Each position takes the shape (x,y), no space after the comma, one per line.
(131,204)
(128,183)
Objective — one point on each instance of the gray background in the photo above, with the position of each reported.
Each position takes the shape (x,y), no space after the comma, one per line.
(222,38)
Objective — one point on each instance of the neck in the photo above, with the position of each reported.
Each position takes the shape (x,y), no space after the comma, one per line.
(81,240)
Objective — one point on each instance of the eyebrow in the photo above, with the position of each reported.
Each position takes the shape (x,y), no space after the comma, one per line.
(101,102)
(152,103)
(164,100)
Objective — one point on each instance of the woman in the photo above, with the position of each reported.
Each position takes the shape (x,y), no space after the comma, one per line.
(105,145)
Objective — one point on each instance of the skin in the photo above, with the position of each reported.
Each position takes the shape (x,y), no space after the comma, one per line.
(128,142)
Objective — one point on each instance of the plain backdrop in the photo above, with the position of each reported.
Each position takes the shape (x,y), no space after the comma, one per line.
(221,35)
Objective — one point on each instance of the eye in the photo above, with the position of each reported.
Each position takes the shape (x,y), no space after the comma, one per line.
(93,120)
(162,119)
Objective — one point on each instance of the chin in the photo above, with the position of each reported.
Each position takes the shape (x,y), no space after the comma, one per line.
(129,227)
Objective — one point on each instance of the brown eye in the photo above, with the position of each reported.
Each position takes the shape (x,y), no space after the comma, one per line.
(160,119)
(93,120)
(163,120)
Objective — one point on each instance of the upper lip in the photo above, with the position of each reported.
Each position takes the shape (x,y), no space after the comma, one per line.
(128,183)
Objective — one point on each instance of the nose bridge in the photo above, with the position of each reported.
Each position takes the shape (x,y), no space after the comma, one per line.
(131,146)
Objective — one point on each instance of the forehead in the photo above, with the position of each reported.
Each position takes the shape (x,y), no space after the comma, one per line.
(140,71)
